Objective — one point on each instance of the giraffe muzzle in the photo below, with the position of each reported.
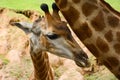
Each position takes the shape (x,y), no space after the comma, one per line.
(81,59)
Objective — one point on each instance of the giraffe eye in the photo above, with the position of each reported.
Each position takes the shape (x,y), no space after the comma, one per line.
(53,36)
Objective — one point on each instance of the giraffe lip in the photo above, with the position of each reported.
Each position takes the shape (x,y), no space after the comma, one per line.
(81,59)
(81,63)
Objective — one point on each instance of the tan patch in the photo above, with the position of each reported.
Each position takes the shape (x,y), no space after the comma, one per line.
(71,15)
(113,61)
(88,8)
(98,22)
(102,45)
(107,65)
(93,49)
(113,21)
(118,36)
(76,1)
(117,48)
(109,36)
(83,32)
(63,4)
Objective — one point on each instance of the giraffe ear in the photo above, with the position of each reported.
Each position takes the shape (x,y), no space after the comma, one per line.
(25,26)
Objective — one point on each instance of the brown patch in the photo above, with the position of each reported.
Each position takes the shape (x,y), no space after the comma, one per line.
(109,36)
(105,10)
(118,76)
(107,65)
(113,61)
(56,1)
(119,69)
(71,15)
(88,8)
(98,22)
(118,36)
(76,1)
(93,49)
(102,45)
(93,1)
(63,4)
(117,48)
(83,32)
(113,21)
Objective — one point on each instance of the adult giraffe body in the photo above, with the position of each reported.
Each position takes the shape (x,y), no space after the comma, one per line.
(98,26)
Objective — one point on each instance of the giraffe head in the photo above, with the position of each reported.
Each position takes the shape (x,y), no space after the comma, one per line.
(57,36)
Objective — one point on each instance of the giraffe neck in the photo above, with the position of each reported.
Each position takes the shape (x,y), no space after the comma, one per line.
(98,27)
(42,69)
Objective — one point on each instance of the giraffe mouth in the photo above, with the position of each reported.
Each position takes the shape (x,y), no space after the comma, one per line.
(82,60)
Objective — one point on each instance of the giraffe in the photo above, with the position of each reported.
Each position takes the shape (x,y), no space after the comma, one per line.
(97,25)
(50,34)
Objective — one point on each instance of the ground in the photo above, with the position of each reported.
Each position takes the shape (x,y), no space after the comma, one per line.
(16,64)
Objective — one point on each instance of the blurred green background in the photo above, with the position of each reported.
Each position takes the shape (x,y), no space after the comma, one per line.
(34,4)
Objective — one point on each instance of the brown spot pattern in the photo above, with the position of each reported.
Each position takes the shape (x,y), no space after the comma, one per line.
(118,36)
(105,11)
(71,15)
(88,8)
(113,61)
(76,1)
(83,32)
(98,22)
(93,49)
(118,76)
(113,21)
(107,65)
(119,69)
(117,48)
(63,4)
(93,1)
(109,36)
(102,45)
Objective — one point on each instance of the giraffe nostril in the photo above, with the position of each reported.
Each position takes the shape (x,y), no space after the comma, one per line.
(84,54)
(81,59)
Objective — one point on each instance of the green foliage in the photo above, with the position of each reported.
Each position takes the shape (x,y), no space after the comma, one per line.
(24,4)
(115,4)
